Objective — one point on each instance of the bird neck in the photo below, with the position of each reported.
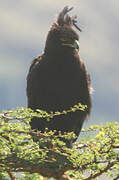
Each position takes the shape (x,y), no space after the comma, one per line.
(59,50)
(62,56)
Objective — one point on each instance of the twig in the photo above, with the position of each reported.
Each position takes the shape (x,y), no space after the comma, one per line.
(101,172)
(11,175)
(117,178)
(64,177)
(77,107)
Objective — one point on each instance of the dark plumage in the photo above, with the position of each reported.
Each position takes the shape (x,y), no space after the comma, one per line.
(58,79)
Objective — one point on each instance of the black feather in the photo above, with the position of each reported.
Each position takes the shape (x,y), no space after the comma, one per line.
(58,79)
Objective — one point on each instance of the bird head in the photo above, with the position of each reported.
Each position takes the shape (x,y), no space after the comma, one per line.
(62,33)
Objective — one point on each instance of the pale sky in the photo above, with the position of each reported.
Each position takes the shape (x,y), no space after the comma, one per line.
(23,29)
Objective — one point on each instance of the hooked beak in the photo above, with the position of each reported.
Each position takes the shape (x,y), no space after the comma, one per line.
(76,44)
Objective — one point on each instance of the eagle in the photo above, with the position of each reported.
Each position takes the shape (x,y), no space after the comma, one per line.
(58,79)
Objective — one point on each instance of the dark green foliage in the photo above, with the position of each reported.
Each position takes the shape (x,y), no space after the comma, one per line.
(48,155)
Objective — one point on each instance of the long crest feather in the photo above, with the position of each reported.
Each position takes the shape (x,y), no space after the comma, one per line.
(65,19)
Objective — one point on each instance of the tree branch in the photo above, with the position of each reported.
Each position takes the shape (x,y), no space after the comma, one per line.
(101,172)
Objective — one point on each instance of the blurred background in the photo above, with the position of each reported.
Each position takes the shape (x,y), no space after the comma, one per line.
(24,26)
